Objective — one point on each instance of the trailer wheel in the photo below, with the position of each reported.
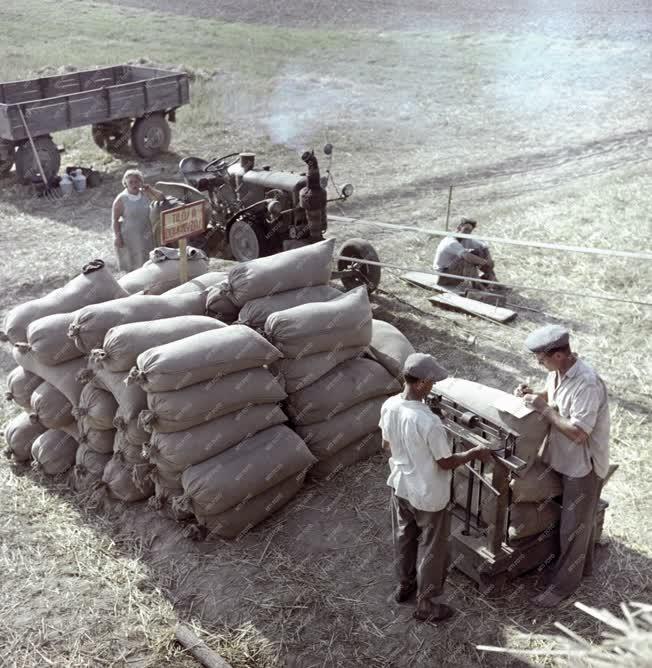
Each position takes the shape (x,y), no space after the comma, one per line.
(7,151)
(26,165)
(360,274)
(112,137)
(150,135)
(247,240)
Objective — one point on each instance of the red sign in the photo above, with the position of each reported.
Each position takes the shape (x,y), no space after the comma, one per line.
(183,221)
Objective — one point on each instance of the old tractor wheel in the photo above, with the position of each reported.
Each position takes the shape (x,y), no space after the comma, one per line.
(27,166)
(7,151)
(247,241)
(358,273)
(112,137)
(150,135)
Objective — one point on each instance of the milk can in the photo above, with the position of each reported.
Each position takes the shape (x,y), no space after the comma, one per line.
(66,185)
(79,181)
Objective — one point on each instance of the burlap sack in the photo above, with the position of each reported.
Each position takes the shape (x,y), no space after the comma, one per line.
(255,312)
(324,326)
(325,439)
(48,339)
(20,433)
(127,483)
(132,430)
(91,323)
(183,409)
(20,385)
(94,285)
(200,357)
(161,272)
(480,399)
(123,343)
(131,398)
(366,447)
(62,376)
(54,452)
(200,283)
(538,484)
(175,452)
(50,407)
(530,519)
(389,347)
(90,464)
(247,514)
(348,384)
(307,369)
(132,454)
(290,270)
(218,305)
(245,470)
(99,441)
(96,409)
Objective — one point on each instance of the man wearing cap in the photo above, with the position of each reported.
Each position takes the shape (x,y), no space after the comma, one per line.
(464,257)
(420,477)
(575,404)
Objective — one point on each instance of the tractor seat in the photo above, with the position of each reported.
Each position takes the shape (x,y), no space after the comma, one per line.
(194,174)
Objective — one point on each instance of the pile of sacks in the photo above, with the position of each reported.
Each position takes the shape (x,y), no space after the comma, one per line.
(532,489)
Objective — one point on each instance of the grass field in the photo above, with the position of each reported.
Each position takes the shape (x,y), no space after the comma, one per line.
(544,136)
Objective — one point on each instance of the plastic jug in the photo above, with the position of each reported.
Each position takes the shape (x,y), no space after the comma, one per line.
(79,181)
(66,185)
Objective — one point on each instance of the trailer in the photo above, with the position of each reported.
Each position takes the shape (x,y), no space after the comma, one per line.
(121,103)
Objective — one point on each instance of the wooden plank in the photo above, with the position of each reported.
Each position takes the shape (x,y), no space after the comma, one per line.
(456,302)
(204,654)
(422,280)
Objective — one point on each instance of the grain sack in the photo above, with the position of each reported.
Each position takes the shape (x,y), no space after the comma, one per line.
(20,385)
(48,339)
(255,312)
(201,283)
(91,323)
(245,470)
(20,433)
(183,409)
(324,326)
(203,356)
(50,407)
(530,519)
(252,511)
(132,454)
(98,441)
(131,398)
(175,452)
(123,343)
(481,399)
(96,409)
(72,430)
(538,484)
(62,376)
(306,369)
(125,482)
(131,429)
(161,272)
(326,439)
(350,454)
(290,270)
(94,285)
(485,498)
(89,464)
(54,452)
(389,347)
(348,384)
(218,305)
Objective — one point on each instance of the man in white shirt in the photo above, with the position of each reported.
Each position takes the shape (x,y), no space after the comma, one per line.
(420,477)
(463,257)
(575,404)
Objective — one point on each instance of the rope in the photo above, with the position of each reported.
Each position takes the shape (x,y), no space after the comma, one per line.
(500,240)
(586,295)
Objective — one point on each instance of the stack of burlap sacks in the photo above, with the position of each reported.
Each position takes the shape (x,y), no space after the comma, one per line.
(532,510)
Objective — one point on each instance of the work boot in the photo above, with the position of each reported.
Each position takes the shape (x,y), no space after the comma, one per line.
(439,612)
(404,591)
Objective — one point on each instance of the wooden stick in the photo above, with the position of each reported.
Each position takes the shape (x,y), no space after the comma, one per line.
(31,141)
(448,209)
(183,260)
(206,656)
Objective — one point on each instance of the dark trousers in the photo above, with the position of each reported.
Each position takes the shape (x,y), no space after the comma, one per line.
(576,532)
(429,568)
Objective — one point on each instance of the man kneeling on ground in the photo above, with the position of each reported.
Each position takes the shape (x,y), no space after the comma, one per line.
(420,477)
(464,257)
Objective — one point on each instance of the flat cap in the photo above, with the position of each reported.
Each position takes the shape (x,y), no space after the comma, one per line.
(468,221)
(547,338)
(424,367)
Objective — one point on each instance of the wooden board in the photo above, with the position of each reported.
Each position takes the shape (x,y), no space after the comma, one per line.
(451,299)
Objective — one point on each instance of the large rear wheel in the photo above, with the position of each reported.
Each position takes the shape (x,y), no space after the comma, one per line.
(358,273)
(7,151)
(26,164)
(150,135)
(114,136)
(247,240)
